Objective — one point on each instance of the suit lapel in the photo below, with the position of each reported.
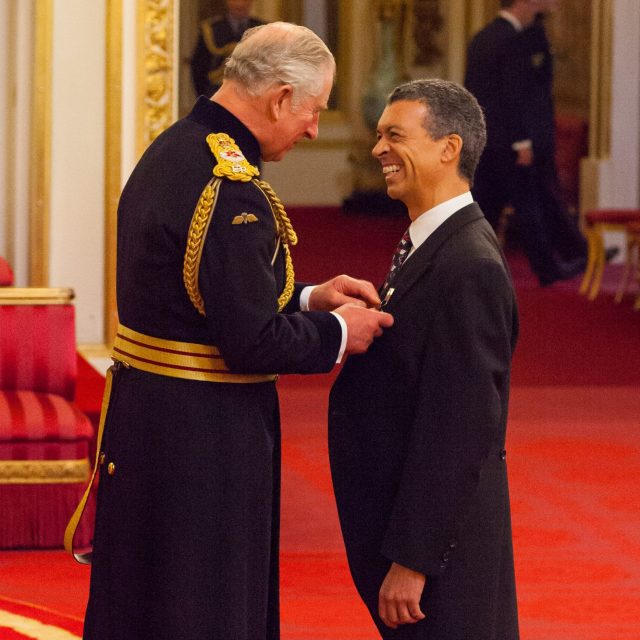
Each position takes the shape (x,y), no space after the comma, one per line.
(422,259)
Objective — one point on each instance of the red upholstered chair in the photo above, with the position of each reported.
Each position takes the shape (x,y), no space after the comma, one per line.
(632,264)
(6,274)
(596,223)
(44,437)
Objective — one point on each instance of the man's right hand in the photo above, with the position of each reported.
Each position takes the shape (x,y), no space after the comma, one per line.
(363,325)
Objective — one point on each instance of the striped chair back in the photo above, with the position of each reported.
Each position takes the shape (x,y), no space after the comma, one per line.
(37,341)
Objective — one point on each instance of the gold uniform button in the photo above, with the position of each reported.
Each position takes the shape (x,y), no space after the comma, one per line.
(102,457)
(111,468)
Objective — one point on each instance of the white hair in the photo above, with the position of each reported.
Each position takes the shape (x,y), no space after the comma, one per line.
(280,53)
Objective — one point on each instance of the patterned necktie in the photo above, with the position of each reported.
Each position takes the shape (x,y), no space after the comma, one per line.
(402,251)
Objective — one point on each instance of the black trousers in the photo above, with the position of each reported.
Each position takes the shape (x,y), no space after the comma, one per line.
(545,230)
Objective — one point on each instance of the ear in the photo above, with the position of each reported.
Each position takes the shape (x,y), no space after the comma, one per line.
(451,148)
(280,101)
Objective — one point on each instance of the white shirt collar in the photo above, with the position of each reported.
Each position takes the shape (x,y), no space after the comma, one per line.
(509,17)
(425,224)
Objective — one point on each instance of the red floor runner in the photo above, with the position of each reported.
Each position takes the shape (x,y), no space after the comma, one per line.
(574,467)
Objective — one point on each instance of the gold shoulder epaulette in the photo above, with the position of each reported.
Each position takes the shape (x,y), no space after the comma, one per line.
(231,162)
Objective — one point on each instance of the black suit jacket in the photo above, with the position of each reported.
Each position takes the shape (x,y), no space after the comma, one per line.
(417,435)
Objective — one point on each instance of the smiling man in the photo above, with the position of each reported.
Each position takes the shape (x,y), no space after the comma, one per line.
(417,424)
(186,536)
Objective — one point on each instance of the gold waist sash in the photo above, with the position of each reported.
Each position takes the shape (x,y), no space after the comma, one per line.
(177,359)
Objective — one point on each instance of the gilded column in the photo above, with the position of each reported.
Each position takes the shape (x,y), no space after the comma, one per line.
(156,83)
(40,196)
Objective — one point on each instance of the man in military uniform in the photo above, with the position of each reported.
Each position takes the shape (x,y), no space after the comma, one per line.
(218,37)
(186,537)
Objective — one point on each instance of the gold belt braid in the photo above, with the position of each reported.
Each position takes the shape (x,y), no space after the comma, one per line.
(70,531)
(177,359)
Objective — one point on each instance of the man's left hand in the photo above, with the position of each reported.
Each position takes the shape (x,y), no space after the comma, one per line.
(399,597)
(343,290)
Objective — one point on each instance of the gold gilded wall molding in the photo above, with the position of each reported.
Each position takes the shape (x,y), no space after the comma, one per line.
(40,158)
(155,69)
(43,471)
(113,159)
(601,72)
(599,104)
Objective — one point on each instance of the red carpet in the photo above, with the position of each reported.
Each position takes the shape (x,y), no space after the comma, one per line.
(574,467)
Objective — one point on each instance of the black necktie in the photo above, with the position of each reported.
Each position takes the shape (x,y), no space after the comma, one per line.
(400,255)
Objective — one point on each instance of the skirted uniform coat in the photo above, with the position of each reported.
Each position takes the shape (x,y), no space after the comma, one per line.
(417,439)
(186,540)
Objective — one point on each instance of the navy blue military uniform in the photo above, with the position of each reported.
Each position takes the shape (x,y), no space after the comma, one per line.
(216,42)
(511,75)
(186,541)
(417,434)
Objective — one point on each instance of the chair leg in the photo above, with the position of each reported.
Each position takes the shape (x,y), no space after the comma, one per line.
(591,260)
(598,266)
(628,268)
(503,224)
(635,250)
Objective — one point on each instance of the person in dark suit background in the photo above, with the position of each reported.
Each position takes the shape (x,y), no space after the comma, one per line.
(510,72)
(217,39)
(417,425)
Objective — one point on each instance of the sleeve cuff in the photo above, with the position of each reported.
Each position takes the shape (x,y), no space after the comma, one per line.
(305,294)
(521,144)
(343,326)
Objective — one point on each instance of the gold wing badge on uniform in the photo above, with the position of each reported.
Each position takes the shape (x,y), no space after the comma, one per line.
(245,218)
(231,162)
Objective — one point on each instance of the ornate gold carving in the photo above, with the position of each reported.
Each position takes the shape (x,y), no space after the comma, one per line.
(231,162)
(43,471)
(195,242)
(156,82)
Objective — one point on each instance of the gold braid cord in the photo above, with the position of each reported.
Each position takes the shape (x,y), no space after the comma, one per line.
(209,38)
(287,236)
(232,165)
(195,242)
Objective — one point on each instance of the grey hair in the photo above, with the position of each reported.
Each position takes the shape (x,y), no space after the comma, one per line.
(280,53)
(450,109)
